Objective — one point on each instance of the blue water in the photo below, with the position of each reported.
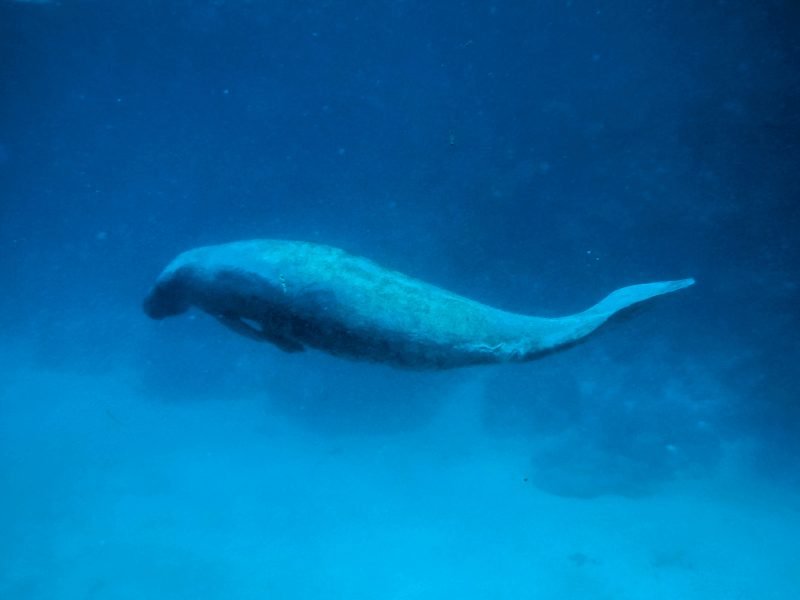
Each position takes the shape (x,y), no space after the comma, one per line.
(533,156)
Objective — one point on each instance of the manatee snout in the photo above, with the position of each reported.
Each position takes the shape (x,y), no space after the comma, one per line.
(167,298)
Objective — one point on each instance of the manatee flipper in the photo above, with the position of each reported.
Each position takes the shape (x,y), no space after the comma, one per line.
(285,343)
(572,328)
(244,328)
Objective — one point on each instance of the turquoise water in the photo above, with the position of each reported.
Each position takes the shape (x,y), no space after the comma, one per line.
(111,493)
(532,156)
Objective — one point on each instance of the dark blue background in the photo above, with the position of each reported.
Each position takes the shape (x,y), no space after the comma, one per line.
(532,155)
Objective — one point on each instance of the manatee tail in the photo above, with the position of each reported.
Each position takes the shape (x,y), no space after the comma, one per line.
(573,328)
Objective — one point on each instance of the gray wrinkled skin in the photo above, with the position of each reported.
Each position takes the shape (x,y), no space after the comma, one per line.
(297,295)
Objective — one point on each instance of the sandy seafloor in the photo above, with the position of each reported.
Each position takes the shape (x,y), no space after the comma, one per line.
(110,493)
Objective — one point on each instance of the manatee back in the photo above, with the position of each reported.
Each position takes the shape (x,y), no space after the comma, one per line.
(349,305)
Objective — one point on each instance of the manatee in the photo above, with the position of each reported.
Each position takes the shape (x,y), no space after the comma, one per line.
(299,295)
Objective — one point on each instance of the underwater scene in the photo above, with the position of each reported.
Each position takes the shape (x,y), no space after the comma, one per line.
(399,300)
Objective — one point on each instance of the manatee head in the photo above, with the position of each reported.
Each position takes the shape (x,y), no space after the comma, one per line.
(168,297)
